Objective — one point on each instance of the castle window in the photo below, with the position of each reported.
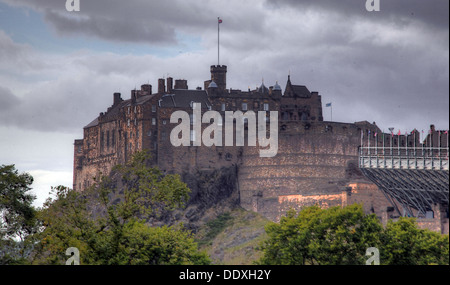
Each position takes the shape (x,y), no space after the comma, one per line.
(163,136)
(128,110)
(153,121)
(149,133)
(223,107)
(107,138)
(164,122)
(113,138)
(135,122)
(244,106)
(266,107)
(128,122)
(153,108)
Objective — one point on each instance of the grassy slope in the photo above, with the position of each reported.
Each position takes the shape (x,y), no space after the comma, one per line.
(232,238)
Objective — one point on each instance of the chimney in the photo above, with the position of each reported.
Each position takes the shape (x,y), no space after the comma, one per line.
(147,89)
(117,99)
(161,86)
(169,84)
(181,84)
(133,96)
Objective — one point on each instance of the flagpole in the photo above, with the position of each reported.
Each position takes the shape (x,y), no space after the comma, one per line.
(447,143)
(406,135)
(218,38)
(330,105)
(422,144)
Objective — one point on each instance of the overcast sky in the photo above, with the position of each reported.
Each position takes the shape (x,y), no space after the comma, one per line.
(59,69)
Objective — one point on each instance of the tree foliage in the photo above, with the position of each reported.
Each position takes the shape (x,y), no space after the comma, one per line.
(110,226)
(342,235)
(17,215)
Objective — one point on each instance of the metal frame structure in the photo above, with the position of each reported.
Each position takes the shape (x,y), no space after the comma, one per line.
(416,178)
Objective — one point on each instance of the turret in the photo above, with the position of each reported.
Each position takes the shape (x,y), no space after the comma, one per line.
(219,76)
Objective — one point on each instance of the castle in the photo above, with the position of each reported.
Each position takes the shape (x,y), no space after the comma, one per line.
(316,163)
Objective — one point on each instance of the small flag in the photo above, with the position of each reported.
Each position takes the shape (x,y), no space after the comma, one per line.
(328,105)
(375,134)
(220,20)
(399,133)
(446,132)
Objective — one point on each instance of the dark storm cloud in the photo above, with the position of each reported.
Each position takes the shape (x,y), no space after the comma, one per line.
(388,66)
(8,100)
(432,12)
(154,22)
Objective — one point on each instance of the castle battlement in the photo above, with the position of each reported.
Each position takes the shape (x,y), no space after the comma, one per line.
(315,163)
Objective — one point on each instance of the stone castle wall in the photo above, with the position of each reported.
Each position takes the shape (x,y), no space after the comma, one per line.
(316,162)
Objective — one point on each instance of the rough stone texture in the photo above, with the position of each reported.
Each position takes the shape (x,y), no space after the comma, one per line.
(316,163)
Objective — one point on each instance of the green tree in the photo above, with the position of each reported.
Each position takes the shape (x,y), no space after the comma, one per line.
(342,235)
(321,236)
(405,244)
(17,215)
(110,226)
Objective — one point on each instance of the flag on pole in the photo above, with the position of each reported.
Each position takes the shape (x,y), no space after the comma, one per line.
(328,105)
(219,21)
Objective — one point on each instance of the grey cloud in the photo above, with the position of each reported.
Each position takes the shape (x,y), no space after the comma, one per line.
(8,100)
(153,22)
(385,80)
(432,12)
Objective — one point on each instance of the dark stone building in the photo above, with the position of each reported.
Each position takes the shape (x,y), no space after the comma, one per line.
(316,162)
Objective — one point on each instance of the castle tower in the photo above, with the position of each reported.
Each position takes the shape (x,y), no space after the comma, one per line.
(219,76)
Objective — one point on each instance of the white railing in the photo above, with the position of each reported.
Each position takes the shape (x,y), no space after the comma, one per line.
(404,158)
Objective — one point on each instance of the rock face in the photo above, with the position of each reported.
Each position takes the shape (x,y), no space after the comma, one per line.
(212,192)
